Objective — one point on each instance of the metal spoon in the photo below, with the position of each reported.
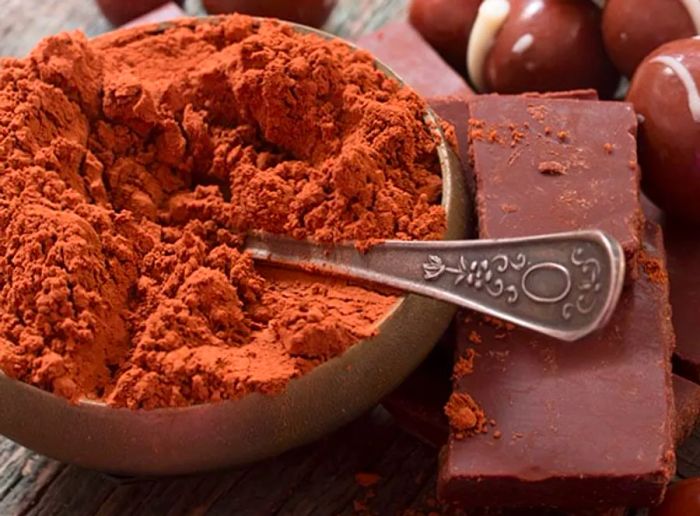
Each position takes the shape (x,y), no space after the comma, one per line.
(564,285)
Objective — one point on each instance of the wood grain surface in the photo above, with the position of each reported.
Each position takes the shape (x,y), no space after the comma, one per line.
(317,479)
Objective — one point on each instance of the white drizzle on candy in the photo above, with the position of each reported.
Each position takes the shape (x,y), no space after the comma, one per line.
(693,8)
(683,74)
(489,20)
(524,42)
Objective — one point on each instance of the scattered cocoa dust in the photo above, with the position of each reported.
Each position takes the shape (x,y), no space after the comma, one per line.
(654,268)
(464,364)
(131,167)
(474,337)
(496,323)
(465,415)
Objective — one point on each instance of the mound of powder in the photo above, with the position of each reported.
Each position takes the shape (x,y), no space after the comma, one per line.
(131,167)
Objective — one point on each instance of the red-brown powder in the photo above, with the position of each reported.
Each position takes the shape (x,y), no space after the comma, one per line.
(466,417)
(131,167)
(654,268)
(464,365)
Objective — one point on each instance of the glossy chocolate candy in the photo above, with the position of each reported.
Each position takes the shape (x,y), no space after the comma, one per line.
(446,24)
(664,92)
(633,29)
(539,45)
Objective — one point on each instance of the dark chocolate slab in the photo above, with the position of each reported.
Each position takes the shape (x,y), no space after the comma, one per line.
(581,424)
(683,250)
(544,165)
(404,50)
(455,110)
(687,396)
(683,245)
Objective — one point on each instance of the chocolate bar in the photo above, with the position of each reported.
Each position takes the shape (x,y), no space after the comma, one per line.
(418,403)
(455,111)
(544,165)
(574,425)
(683,245)
(687,395)
(405,51)
(683,250)
(554,420)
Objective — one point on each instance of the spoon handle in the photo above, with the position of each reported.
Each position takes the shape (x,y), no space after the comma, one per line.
(564,285)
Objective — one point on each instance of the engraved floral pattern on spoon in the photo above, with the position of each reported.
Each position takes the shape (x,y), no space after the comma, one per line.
(488,275)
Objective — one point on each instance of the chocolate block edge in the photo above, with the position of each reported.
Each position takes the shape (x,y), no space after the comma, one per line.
(535,487)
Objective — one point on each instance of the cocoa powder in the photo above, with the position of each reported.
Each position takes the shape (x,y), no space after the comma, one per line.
(131,168)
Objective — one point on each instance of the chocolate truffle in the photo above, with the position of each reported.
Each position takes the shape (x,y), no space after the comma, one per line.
(446,25)
(681,498)
(664,92)
(631,32)
(539,45)
(307,12)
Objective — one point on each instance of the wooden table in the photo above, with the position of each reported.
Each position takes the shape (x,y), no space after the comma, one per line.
(317,479)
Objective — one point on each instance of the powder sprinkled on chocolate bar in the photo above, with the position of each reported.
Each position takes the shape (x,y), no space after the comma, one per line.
(654,268)
(465,416)
(496,323)
(593,188)
(464,364)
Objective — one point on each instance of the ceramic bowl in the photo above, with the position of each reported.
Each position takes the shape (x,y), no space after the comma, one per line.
(172,441)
